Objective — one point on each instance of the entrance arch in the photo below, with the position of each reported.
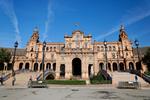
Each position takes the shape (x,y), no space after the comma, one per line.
(101,66)
(115,66)
(20,66)
(131,66)
(121,66)
(109,66)
(76,67)
(35,66)
(62,70)
(48,66)
(27,66)
(1,66)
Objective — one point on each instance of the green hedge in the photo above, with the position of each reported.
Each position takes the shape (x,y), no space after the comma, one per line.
(99,79)
(66,82)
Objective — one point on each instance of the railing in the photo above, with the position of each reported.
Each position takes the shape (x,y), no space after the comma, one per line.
(144,76)
(46,73)
(106,75)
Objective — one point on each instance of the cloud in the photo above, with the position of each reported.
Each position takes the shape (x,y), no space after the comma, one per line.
(49,19)
(132,16)
(8,9)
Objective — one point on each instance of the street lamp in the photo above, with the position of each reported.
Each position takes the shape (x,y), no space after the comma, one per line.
(105,44)
(137,47)
(15,45)
(44,45)
(36,52)
(13,61)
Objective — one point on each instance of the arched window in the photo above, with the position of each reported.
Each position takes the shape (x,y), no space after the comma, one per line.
(114,48)
(110,48)
(102,48)
(47,48)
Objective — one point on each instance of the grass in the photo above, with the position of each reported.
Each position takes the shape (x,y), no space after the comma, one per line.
(66,82)
(101,82)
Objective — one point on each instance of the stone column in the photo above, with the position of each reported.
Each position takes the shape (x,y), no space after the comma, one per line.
(84,68)
(57,70)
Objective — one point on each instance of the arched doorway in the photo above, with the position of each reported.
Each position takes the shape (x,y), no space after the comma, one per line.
(90,70)
(20,66)
(35,66)
(62,70)
(131,66)
(76,67)
(1,66)
(121,66)
(115,67)
(9,67)
(101,66)
(41,68)
(109,66)
(27,66)
(138,66)
(48,66)
(54,66)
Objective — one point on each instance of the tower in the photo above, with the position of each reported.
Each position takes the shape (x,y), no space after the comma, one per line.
(35,36)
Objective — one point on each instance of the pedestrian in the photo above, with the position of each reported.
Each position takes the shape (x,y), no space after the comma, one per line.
(1,80)
(13,81)
(136,78)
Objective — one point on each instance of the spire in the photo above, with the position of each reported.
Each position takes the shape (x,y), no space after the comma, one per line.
(122,34)
(36,30)
(122,28)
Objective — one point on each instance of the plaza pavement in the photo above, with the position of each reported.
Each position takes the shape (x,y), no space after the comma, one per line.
(68,92)
(75,92)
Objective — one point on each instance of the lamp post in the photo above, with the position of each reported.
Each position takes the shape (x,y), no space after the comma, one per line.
(15,45)
(137,48)
(44,45)
(13,61)
(105,44)
(36,52)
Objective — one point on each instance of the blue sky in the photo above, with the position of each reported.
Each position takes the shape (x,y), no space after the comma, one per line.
(55,18)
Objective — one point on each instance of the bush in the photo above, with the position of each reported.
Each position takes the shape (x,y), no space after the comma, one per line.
(66,82)
(99,79)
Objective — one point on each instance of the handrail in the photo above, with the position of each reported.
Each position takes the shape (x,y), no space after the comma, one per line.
(142,75)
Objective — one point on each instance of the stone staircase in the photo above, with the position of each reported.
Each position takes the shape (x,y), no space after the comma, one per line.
(22,79)
(125,76)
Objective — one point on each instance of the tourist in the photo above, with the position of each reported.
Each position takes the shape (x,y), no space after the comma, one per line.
(1,80)
(136,78)
(13,81)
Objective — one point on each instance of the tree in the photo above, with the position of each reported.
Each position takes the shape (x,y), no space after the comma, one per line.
(5,55)
(146,59)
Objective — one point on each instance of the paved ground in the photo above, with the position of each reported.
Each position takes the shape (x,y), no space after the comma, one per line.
(87,92)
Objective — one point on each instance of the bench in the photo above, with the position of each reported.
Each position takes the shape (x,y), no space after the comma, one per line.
(129,85)
(37,84)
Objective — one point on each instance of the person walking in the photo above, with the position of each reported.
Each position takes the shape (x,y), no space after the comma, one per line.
(13,81)
(1,80)
(136,78)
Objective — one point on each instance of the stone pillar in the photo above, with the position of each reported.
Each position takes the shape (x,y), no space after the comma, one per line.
(52,66)
(84,68)
(111,65)
(57,70)
(68,69)
(96,67)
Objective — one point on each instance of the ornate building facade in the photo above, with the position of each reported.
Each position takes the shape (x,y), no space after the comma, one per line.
(79,56)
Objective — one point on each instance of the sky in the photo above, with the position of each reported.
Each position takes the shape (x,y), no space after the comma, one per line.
(56,18)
